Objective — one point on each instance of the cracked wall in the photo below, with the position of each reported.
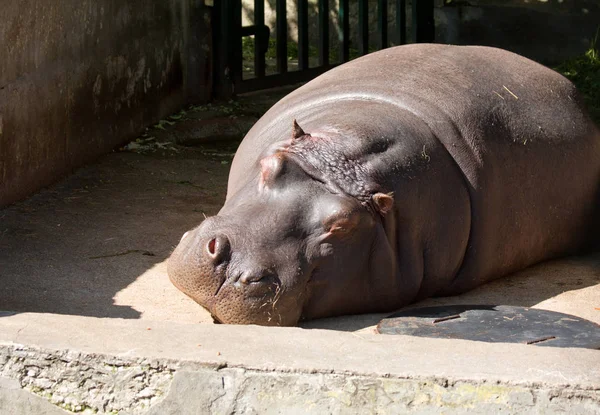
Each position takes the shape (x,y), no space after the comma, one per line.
(79,78)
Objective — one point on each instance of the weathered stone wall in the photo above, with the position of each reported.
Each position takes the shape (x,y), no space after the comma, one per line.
(96,384)
(78,78)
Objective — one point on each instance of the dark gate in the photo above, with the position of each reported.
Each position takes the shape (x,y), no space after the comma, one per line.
(230,76)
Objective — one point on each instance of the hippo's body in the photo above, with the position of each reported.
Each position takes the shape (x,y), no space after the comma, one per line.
(415,171)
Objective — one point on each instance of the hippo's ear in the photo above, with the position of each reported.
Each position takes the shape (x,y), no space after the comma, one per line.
(297,132)
(383,202)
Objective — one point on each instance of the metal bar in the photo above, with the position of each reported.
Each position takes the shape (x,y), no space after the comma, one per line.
(236,63)
(302,34)
(281,24)
(382,24)
(344,22)
(363,27)
(423,23)
(249,31)
(218,50)
(223,47)
(288,78)
(323,32)
(401,21)
(259,41)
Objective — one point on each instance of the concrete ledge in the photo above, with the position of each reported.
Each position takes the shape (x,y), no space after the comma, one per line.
(108,365)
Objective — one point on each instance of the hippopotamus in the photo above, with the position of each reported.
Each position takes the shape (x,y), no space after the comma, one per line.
(416,171)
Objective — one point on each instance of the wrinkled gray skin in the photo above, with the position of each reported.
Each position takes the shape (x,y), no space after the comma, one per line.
(419,170)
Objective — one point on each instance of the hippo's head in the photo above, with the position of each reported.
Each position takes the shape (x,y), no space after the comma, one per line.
(287,246)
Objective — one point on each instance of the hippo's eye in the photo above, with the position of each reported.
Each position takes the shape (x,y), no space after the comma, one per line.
(338,226)
(341,224)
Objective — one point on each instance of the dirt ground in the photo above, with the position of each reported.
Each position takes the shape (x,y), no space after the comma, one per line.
(95,244)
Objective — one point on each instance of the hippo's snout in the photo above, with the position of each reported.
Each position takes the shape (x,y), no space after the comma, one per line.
(234,288)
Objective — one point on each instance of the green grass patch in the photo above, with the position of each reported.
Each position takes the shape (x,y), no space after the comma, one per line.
(584,72)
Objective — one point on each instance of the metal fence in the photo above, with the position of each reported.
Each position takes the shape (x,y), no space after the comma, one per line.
(228,74)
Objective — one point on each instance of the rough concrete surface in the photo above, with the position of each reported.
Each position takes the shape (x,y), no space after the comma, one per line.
(95,325)
(243,391)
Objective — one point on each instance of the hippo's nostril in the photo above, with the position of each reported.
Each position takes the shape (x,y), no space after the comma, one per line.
(217,247)
(211,246)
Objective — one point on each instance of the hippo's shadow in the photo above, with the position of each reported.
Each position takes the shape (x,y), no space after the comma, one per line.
(564,285)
